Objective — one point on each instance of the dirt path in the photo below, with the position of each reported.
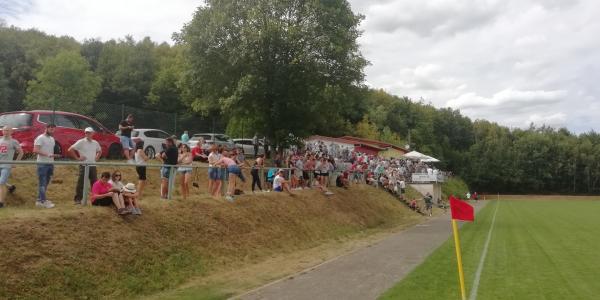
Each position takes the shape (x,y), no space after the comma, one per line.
(365,273)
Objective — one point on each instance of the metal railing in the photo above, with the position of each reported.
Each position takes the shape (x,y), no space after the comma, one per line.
(171,180)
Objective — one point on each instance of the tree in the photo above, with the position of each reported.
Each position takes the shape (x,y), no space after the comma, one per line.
(127,69)
(366,129)
(4,90)
(21,53)
(388,136)
(64,82)
(275,63)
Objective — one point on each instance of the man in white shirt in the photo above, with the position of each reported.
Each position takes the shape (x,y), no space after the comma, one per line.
(89,152)
(280,184)
(43,146)
(8,147)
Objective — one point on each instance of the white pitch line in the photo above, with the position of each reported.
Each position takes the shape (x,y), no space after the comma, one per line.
(473,295)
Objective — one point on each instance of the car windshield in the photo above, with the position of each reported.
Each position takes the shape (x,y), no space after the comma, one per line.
(16,120)
(197,137)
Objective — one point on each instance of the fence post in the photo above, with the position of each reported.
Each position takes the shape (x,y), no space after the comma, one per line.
(175,129)
(225,180)
(261,175)
(86,184)
(171,182)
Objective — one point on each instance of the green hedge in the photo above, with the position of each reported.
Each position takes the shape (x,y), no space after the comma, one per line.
(455,186)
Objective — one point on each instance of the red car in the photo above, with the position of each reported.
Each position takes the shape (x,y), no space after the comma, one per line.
(69,128)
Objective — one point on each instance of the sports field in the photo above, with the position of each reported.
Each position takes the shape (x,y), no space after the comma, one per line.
(541,249)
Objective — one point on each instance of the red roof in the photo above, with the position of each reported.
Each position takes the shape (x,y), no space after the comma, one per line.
(332,139)
(373,142)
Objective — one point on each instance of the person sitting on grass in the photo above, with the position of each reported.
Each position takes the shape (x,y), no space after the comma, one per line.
(130,199)
(198,152)
(280,184)
(342,180)
(413,204)
(102,194)
(115,181)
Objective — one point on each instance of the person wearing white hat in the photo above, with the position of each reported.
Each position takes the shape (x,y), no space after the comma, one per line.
(130,197)
(88,151)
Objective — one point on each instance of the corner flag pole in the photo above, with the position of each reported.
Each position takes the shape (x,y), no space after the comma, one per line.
(461,275)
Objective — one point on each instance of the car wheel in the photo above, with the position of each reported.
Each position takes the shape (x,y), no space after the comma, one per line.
(115,151)
(150,152)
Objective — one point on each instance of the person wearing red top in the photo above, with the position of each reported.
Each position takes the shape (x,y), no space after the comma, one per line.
(198,153)
(103,194)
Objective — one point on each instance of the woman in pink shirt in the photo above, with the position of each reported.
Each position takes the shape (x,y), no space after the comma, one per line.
(104,195)
(233,171)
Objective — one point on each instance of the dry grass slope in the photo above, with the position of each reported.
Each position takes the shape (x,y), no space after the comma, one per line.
(90,252)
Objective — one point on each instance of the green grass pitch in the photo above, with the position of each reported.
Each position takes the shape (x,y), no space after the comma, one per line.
(538,250)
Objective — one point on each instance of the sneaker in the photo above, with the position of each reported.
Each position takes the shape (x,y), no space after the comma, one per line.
(328,193)
(139,211)
(122,211)
(44,204)
(195,184)
(135,211)
(229,198)
(12,188)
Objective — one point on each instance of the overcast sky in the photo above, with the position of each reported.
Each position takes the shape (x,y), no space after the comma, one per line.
(511,61)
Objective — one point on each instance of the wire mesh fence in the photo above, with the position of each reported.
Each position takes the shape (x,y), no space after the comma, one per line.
(111,114)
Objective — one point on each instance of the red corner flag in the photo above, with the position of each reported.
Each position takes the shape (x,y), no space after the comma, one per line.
(461,210)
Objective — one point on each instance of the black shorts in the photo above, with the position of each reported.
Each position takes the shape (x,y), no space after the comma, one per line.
(325,174)
(306,175)
(141,171)
(317,173)
(106,201)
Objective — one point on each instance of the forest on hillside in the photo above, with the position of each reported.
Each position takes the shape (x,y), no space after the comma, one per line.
(281,67)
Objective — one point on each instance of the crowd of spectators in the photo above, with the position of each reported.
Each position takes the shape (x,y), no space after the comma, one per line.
(316,165)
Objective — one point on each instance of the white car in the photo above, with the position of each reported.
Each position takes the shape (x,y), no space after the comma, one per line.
(210,139)
(248,146)
(153,140)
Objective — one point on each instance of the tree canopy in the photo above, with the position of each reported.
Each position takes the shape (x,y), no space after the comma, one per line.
(64,82)
(274,63)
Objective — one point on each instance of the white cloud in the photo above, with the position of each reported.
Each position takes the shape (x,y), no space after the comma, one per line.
(107,19)
(556,120)
(510,61)
(509,98)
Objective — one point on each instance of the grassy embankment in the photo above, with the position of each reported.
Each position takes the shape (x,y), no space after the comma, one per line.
(90,252)
(541,249)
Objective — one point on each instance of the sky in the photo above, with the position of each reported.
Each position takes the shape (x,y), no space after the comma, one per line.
(514,62)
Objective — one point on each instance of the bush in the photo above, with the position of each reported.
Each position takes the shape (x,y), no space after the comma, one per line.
(454,186)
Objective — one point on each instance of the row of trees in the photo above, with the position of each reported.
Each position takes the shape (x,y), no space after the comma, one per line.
(277,67)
